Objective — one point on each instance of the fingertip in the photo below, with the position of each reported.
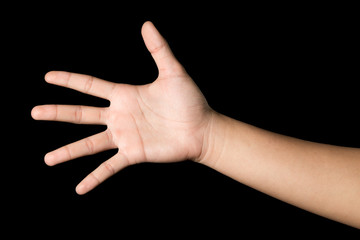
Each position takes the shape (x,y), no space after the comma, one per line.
(49,159)
(152,38)
(160,50)
(35,113)
(146,25)
(50,76)
(80,189)
(147,22)
(87,184)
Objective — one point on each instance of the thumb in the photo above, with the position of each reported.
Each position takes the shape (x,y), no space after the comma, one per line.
(160,50)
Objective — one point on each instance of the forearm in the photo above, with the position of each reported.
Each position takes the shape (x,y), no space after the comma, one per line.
(320,178)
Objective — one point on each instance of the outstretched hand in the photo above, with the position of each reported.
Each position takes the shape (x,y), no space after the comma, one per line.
(165,121)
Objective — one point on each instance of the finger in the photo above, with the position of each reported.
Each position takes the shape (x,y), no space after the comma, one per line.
(70,113)
(103,172)
(160,50)
(80,82)
(87,146)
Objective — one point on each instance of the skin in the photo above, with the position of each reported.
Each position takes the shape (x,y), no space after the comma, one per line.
(169,120)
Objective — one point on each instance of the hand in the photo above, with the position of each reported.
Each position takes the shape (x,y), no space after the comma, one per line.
(164,121)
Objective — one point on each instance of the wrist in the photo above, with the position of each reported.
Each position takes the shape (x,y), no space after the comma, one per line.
(213,140)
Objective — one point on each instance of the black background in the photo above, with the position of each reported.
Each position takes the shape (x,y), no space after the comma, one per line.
(292,69)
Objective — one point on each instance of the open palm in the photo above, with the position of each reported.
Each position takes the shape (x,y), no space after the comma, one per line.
(164,121)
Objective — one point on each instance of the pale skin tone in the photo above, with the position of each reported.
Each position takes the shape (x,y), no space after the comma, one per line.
(169,120)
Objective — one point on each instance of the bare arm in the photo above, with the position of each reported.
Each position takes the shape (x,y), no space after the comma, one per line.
(320,178)
(169,120)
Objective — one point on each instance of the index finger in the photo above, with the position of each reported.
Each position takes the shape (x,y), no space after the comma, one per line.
(82,83)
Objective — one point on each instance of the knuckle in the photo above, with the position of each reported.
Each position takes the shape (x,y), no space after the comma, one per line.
(53,112)
(88,84)
(56,112)
(158,47)
(89,145)
(78,114)
(109,137)
(95,177)
(68,152)
(67,78)
(103,115)
(109,168)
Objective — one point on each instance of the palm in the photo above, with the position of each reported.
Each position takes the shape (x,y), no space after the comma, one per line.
(151,123)
(164,121)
